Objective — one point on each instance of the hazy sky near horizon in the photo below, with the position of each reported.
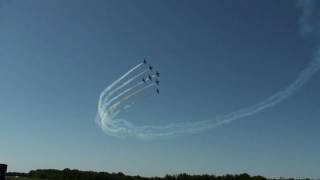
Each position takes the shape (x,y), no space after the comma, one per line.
(215,57)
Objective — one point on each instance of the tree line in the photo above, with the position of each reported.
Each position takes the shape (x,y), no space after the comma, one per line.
(68,174)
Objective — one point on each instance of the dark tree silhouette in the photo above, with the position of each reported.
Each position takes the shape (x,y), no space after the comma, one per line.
(69,174)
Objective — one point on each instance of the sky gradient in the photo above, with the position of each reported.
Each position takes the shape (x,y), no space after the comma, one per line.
(215,57)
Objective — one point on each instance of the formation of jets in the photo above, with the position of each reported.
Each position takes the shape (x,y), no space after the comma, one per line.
(153,77)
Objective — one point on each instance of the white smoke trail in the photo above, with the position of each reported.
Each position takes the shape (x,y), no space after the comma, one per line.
(109,101)
(107,89)
(150,132)
(127,82)
(121,127)
(115,105)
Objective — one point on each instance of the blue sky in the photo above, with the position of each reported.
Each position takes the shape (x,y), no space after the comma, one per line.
(215,57)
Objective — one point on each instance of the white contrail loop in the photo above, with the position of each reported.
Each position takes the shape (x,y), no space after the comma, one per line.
(129,129)
(121,127)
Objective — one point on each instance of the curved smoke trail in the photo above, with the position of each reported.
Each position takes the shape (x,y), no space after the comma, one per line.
(121,127)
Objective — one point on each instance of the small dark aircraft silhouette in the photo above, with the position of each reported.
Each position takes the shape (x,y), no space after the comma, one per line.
(150,68)
(143,80)
(157,82)
(144,61)
(157,74)
(158,91)
(150,77)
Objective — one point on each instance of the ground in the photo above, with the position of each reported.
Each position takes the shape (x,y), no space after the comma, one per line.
(20,178)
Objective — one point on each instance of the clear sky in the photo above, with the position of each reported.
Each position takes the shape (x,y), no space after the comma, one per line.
(215,57)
